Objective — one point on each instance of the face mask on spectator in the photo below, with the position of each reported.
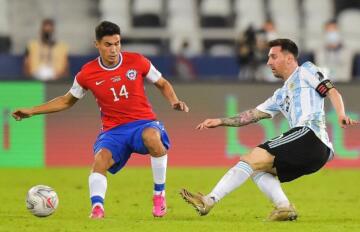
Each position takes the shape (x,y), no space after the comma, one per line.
(332,38)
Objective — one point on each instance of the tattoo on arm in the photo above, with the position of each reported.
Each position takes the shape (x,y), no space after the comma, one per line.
(244,118)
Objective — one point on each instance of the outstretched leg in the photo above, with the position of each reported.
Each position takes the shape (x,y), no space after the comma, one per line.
(152,141)
(98,182)
(258,159)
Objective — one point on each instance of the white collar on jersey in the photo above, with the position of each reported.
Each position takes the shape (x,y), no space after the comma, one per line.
(292,75)
(103,66)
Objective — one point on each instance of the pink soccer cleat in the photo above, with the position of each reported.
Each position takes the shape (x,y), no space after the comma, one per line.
(159,208)
(97,212)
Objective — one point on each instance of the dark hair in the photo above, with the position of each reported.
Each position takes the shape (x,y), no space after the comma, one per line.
(48,21)
(286,45)
(106,28)
(331,21)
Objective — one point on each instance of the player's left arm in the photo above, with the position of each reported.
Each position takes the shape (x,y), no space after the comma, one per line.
(154,76)
(338,104)
(168,92)
(242,119)
(324,87)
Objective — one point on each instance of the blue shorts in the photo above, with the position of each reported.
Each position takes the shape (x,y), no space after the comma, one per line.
(126,139)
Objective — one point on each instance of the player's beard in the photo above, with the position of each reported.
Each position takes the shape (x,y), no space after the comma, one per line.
(276,74)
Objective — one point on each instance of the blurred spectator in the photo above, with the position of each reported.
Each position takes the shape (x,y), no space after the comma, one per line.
(184,67)
(334,57)
(45,58)
(252,52)
(263,36)
(5,44)
(246,53)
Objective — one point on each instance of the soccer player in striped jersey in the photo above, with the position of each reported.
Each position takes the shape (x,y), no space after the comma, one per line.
(302,150)
(129,125)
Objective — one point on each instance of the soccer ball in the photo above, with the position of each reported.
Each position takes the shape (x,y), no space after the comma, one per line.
(42,200)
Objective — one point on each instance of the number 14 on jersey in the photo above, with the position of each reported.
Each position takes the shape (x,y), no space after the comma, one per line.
(123,92)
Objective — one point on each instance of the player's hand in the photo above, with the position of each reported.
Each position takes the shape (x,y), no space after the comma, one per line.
(345,121)
(209,123)
(181,106)
(21,113)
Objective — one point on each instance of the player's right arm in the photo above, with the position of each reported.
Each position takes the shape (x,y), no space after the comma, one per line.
(55,105)
(242,119)
(267,109)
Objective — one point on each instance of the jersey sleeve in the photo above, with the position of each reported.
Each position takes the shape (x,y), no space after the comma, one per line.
(153,75)
(77,90)
(316,78)
(270,106)
(150,72)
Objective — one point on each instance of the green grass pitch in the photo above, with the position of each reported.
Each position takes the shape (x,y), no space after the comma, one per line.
(326,201)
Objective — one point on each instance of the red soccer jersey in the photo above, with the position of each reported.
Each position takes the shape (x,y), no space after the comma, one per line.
(119,90)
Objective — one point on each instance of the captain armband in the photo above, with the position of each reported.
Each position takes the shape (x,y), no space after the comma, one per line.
(324,87)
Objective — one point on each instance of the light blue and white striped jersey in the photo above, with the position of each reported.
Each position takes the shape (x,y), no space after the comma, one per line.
(299,102)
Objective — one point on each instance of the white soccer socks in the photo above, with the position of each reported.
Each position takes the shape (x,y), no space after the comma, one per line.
(271,187)
(158,165)
(235,177)
(97,187)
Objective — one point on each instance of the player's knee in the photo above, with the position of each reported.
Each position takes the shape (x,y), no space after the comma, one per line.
(151,136)
(152,142)
(256,165)
(103,161)
(258,160)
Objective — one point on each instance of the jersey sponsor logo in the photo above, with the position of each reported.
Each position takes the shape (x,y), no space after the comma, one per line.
(99,82)
(131,74)
(116,79)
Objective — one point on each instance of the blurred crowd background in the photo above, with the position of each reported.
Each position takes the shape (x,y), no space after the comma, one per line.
(187,40)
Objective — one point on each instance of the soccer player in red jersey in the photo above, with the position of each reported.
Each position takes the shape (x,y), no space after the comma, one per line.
(129,124)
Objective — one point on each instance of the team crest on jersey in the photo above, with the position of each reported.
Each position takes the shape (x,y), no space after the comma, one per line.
(131,74)
(291,86)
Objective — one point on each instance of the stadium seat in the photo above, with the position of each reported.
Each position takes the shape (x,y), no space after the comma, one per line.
(183,25)
(249,13)
(219,47)
(74,19)
(285,14)
(349,24)
(316,14)
(216,13)
(4,22)
(341,5)
(117,12)
(5,43)
(148,13)
(147,47)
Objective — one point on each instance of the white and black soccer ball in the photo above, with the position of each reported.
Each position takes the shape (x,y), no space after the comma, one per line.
(42,200)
